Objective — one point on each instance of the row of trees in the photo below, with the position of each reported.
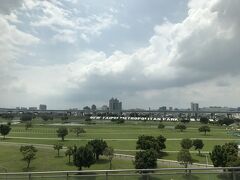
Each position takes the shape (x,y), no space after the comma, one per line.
(183,127)
(83,156)
(63,131)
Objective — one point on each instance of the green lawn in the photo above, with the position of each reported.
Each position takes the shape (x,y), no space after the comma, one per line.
(120,136)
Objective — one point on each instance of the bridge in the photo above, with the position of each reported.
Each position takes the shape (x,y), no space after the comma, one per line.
(152,113)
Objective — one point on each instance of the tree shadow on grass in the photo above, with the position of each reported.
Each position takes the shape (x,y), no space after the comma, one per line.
(162,154)
(59,157)
(70,164)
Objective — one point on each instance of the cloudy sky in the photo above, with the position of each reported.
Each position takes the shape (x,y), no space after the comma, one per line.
(147,53)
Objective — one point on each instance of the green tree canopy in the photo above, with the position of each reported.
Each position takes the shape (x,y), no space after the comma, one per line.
(146,159)
(109,153)
(186,143)
(78,130)
(184,157)
(181,127)
(84,157)
(204,120)
(69,152)
(149,142)
(98,146)
(225,155)
(29,153)
(226,121)
(62,132)
(198,144)
(204,129)
(4,130)
(58,147)
(28,125)
(26,117)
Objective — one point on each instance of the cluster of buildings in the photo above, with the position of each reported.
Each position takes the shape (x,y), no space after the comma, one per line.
(42,107)
(114,106)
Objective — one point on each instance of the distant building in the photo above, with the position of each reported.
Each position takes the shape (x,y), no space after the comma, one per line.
(115,105)
(43,107)
(105,108)
(94,107)
(194,106)
(163,108)
(170,108)
(23,108)
(32,108)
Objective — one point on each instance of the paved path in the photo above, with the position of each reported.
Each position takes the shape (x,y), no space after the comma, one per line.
(165,162)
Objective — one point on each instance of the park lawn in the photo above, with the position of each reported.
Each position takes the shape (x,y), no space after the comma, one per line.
(115,131)
(173,145)
(47,160)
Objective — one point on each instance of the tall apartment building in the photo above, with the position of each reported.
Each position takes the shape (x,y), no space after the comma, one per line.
(194,106)
(115,105)
(43,107)
(94,107)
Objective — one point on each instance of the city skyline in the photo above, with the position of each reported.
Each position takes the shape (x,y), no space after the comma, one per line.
(146,53)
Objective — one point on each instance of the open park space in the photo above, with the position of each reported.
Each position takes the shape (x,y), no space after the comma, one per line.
(122,137)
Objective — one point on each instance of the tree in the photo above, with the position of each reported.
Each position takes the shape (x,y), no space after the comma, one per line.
(4,130)
(204,129)
(98,146)
(204,120)
(226,121)
(224,155)
(181,127)
(198,145)
(26,117)
(109,153)
(8,116)
(160,140)
(146,159)
(46,117)
(161,126)
(78,130)
(69,152)
(149,142)
(29,153)
(184,157)
(145,142)
(184,120)
(28,125)
(84,157)
(58,147)
(186,143)
(62,132)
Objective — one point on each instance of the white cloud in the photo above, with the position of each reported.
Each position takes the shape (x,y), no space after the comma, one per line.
(183,62)
(57,17)
(65,35)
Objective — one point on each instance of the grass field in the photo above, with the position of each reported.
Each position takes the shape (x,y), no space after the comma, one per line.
(122,137)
